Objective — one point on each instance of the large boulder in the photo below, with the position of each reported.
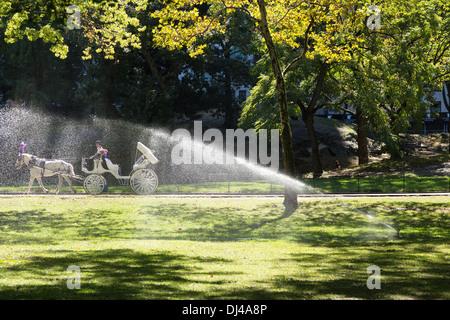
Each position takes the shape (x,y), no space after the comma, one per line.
(337,141)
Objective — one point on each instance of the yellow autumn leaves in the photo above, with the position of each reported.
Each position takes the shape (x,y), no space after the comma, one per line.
(107,26)
(331,25)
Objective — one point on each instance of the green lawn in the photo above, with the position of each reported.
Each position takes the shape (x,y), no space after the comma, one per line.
(377,184)
(372,184)
(383,183)
(214,248)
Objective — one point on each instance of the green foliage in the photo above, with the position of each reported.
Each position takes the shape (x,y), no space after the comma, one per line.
(106,24)
(261,108)
(399,64)
(385,72)
(33,75)
(123,73)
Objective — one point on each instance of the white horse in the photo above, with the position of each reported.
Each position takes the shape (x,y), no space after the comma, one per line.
(40,168)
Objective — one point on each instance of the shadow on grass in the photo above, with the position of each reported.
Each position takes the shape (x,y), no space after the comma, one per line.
(319,222)
(129,274)
(403,275)
(43,227)
(108,274)
(343,274)
(415,220)
(349,242)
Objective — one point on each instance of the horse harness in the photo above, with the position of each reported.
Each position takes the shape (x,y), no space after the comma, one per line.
(40,164)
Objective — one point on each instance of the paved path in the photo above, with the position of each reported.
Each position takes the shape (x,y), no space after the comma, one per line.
(217,195)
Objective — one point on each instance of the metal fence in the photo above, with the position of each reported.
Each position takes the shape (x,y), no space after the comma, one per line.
(403,183)
(381,184)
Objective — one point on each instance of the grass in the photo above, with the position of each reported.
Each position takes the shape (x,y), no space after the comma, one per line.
(384,183)
(374,184)
(248,187)
(132,247)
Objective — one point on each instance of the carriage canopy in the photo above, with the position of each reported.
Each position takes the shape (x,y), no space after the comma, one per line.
(147,153)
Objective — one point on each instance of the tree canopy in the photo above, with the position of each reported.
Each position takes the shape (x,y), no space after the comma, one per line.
(381,58)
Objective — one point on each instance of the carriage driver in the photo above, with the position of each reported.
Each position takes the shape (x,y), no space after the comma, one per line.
(101,154)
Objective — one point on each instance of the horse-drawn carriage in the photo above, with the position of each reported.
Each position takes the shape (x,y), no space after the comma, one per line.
(142,179)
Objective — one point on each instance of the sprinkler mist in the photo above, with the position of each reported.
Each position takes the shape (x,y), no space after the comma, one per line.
(54,137)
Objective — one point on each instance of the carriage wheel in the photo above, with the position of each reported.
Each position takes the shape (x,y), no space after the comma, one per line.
(94,184)
(144,181)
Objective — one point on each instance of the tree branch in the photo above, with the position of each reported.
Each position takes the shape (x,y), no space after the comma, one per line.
(302,56)
(319,84)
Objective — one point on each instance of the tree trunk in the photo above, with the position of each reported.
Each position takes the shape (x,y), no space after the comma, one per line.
(446,97)
(308,119)
(230,114)
(290,195)
(363,150)
(108,94)
(151,64)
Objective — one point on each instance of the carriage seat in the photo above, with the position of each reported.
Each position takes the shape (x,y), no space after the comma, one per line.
(115,168)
